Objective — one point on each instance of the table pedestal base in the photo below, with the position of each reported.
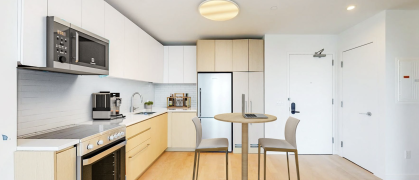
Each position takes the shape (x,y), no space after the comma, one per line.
(245,150)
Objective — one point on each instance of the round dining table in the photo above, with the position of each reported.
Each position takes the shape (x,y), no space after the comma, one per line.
(238,118)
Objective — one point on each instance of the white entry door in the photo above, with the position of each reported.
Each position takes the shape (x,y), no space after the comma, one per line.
(359,95)
(311,89)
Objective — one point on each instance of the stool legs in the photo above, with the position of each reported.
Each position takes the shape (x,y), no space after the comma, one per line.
(288,166)
(264,166)
(227,165)
(194,166)
(258,161)
(197,167)
(296,164)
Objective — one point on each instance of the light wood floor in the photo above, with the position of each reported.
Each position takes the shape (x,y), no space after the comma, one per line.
(179,166)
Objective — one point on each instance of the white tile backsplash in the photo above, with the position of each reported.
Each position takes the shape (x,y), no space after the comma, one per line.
(162,91)
(48,100)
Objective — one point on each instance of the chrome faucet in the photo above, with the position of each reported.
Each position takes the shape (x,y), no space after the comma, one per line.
(132,104)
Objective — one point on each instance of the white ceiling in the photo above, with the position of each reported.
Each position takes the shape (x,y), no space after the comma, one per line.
(178,22)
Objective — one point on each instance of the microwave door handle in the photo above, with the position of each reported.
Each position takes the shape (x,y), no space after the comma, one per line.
(103,154)
(77,47)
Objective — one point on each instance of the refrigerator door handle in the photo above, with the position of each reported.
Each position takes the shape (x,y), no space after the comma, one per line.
(200,109)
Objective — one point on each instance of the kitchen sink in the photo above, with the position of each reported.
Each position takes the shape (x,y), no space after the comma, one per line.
(146,113)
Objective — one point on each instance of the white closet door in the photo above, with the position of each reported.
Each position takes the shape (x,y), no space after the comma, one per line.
(93,16)
(70,11)
(189,64)
(256,105)
(175,64)
(114,25)
(360,96)
(240,86)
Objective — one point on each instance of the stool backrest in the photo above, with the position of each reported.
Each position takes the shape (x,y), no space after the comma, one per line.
(291,131)
(198,128)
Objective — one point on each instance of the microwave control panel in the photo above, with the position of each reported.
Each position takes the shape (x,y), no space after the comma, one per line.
(62,44)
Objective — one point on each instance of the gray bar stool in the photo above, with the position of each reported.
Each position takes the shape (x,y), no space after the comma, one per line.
(207,145)
(287,145)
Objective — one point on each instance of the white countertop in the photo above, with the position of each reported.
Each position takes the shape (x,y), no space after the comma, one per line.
(59,144)
(45,144)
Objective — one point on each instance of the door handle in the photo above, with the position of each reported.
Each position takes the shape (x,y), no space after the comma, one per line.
(200,109)
(251,107)
(368,113)
(293,111)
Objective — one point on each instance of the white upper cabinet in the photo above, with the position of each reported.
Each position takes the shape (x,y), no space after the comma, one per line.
(69,11)
(114,28)
(33,29)
(157,62)
(93,16)
(166,65)
(175,64)
(131,58)
(189,64)
(133,54)
(180,64)
(144,56)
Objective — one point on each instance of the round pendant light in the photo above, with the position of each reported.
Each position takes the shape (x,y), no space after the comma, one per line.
(219,10)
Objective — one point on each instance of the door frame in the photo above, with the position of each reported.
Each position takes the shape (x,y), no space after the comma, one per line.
(334,134)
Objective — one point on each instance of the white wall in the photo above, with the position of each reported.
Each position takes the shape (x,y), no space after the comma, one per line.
(277,48)
(371,30)
(162,91)
(8,56)
(48,100)
(402,41)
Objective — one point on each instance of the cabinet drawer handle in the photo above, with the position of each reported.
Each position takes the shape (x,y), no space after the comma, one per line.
(139,151)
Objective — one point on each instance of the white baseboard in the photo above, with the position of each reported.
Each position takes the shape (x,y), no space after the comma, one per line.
(180,149)
(251,150)
(402,177)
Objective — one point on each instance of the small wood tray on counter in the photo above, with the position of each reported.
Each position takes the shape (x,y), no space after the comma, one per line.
(186,101)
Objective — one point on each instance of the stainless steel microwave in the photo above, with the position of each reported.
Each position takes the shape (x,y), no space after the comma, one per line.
(73,50)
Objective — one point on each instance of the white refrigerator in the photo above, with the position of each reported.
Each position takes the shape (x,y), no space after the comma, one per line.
(215,97)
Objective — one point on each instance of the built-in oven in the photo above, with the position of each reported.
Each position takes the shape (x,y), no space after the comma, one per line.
(106,163)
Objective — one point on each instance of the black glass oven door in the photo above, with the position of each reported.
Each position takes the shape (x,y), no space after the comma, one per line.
(88,51)
(110,166)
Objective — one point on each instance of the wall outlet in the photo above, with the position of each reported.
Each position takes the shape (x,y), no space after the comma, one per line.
(407,154)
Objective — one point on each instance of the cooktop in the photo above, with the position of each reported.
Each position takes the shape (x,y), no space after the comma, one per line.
(76,132)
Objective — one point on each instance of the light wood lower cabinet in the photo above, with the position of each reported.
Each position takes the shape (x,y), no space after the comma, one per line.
(182,133)
(147,140)
(46,165)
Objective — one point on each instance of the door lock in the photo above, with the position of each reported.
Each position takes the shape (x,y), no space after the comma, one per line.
(293,111)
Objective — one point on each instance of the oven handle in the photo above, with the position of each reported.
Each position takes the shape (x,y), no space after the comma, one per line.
(103,154)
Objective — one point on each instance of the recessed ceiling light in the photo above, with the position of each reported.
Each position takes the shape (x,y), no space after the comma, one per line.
(274,8)
(219,10)
(350,8)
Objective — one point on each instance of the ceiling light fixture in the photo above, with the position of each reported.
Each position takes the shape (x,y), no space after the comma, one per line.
(350,8)
(219,10)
